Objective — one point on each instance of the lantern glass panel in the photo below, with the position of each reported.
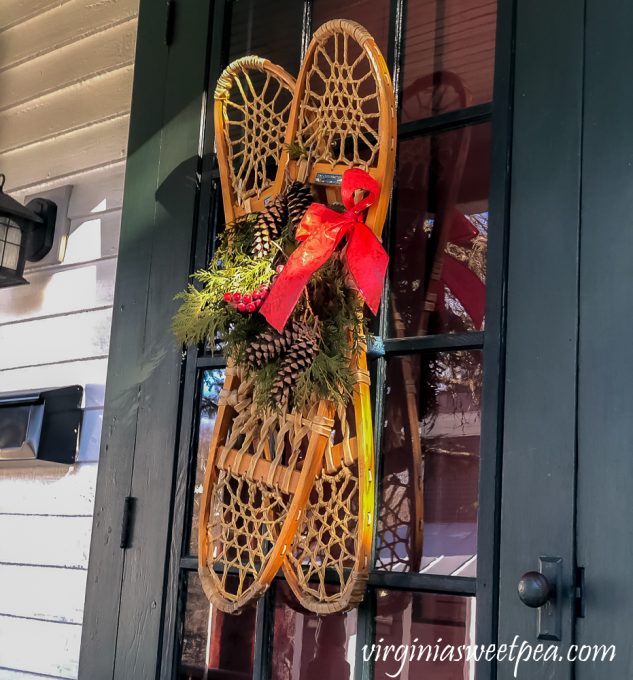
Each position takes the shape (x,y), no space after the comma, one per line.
(10,243)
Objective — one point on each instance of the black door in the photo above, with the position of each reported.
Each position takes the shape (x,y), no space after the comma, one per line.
(502,431)
(568,432)
(434,551)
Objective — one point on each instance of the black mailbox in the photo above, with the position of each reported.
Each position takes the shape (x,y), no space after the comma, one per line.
(41,426)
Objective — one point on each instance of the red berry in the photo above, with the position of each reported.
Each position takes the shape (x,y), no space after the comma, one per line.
(250,307)
(256,295)
(241,307)
(237,297)
(258,304)
(279,268)
(228,297)
(246,299)
(274,279)
(263,286)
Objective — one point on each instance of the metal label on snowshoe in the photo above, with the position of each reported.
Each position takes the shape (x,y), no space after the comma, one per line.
(328,178)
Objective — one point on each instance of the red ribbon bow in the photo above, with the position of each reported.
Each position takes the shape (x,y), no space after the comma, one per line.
(320,231)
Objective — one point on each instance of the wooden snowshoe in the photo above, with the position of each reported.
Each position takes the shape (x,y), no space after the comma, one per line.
(247,494)
(297,489)
(343,116)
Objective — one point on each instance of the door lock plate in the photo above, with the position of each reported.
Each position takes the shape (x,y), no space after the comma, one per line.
(550,614)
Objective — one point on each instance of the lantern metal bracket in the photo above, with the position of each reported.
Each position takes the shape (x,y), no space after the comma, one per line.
(42,236)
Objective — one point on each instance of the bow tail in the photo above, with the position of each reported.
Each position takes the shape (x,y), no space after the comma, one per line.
(284,296)
(367,262)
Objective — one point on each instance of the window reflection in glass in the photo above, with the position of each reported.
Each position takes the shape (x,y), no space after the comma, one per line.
(372,14)
(430,468)
(215,645)
(271,29)
(426,625)
(449,48)
(210,387)
(438,262)
(311,647)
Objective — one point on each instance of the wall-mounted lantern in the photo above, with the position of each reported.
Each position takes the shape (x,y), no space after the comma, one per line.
(26,233)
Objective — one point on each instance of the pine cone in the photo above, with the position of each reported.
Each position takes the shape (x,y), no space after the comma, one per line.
(298,358)
(298,199)
(268,226)
(268,345)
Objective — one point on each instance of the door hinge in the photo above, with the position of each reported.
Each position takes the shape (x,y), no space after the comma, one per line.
(170,19)
(127,521)
(579,593)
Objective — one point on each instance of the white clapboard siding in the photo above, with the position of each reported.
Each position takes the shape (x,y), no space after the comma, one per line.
(58,157)
(39,647)
(101,52)
(98,99)
(15,11)
(42,593)
(11,674)
(88,373)
(47,541)
(71,21)
(97,191)
(92,238)
(90,439)
(53,292)
(78,336)
(66,72)
(48,490)
(94,190)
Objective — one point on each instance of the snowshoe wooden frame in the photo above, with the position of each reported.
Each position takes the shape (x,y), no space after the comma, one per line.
(343,116)
(245,491)
(243,107)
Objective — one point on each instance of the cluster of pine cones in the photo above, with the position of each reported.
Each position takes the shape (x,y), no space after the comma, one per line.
(297,346)
(291,205)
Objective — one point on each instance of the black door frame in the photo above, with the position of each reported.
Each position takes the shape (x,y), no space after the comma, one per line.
(124,609)
(605,363)
(131,605)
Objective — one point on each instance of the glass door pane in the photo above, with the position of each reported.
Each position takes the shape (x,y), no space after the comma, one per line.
(427,518)
(421,635)
(449,49)
(311,647)
(214,645)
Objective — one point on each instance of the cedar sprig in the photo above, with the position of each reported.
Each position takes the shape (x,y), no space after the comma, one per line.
(327,377)
(296,151)
(203,314)
(337,305)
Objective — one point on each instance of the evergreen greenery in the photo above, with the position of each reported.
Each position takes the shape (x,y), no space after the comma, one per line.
(329,305)
(296,151)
